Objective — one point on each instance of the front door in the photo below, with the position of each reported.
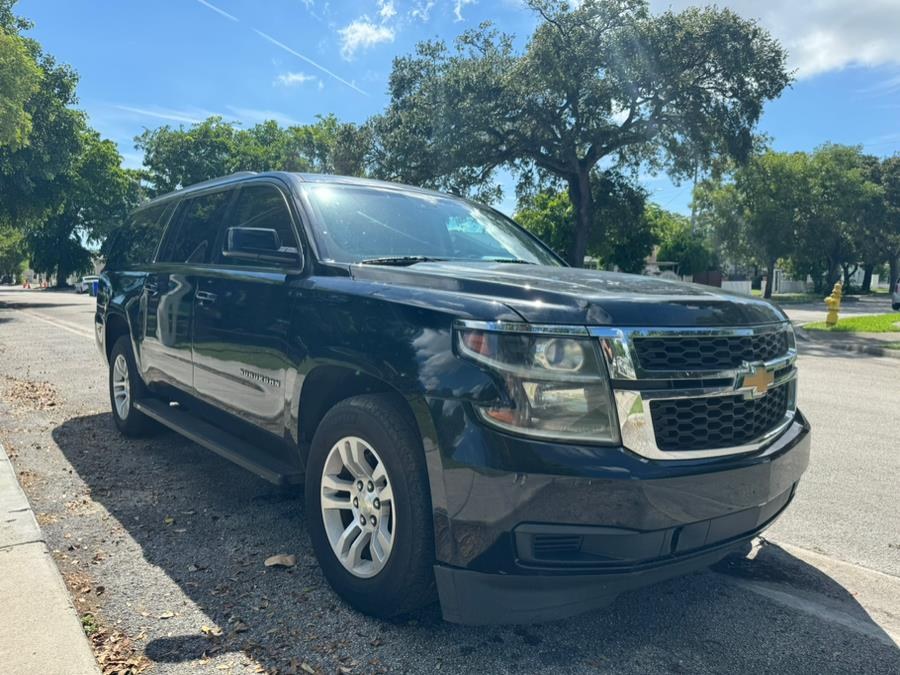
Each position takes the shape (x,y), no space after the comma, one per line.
(242,351)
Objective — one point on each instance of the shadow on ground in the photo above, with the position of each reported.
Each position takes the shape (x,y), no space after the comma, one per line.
(225,522)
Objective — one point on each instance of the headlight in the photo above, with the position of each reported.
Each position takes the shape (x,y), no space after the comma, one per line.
(557,385)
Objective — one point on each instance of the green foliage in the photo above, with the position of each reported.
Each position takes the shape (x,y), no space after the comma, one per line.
(599,78)
(179,157)
(691,251)
(12,251)
(620,237)
(19,78)
(94,196)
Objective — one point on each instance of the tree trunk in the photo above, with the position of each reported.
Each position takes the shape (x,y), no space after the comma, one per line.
(894,262)
(583,203)
(770,278)
(867,278)
(832,275)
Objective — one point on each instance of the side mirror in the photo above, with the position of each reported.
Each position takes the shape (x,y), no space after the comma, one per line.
(258,243)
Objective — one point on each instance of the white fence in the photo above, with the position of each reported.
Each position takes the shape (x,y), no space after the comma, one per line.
(739,287)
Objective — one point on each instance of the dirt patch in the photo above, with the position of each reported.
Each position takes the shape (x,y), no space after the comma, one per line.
(114,651)
(30,394)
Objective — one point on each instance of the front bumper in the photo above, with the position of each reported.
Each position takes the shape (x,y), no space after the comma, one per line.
(528,531)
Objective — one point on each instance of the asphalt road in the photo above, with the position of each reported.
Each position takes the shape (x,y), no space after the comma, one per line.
(164,543)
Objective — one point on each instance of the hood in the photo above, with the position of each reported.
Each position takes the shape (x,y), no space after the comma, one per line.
(566,295)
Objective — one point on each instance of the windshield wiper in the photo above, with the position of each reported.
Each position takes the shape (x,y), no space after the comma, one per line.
(516,261)
(400,261)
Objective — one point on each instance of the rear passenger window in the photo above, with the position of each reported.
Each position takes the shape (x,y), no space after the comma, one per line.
(135,241)
(198,221)
(260,210)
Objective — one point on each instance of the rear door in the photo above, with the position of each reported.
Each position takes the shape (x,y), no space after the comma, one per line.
(168,296)
(241,348)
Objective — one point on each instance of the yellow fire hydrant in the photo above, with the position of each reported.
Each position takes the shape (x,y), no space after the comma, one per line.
(833,302)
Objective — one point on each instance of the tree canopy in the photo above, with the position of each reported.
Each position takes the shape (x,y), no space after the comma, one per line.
(603,78)
(177,157)
(19,78)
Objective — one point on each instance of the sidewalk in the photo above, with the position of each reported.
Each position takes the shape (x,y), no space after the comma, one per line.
(861,343)
(40,632)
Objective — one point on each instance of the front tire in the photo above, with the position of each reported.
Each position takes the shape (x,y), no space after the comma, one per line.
(125,386)
(368,506)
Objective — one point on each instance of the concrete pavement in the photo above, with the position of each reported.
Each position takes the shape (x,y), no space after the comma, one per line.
(40,632)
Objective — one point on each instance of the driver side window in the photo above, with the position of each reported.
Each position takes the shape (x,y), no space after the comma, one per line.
(260,216)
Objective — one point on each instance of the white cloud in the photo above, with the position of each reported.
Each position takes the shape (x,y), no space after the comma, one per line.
(458,8)
(294,79)
(361,35)
(386,9)
(823,35)
(422,10)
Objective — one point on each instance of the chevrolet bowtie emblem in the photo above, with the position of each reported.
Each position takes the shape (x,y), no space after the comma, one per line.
(755,378)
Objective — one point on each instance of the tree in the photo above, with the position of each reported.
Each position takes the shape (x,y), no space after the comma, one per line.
(19,79)
(678,243)
(603,79)
(29,189)
(841,198)
(758,214)
(12,252)
(889,234)
(625,244)
(95,196)
(179,157)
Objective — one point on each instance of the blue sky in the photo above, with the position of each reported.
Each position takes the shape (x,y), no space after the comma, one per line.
(144,64)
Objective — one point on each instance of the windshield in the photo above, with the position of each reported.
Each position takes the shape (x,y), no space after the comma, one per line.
(366,223)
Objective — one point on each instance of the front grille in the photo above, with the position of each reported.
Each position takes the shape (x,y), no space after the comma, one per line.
(708,352)
(717,421)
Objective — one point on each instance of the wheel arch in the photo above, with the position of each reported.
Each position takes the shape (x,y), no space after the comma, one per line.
(116,326)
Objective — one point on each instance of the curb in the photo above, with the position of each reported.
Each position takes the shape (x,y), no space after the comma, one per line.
(853,347)
(42,632)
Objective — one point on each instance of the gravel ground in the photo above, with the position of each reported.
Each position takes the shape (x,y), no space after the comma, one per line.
(163,544)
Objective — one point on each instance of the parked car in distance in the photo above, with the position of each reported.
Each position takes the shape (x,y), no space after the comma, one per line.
(895,296)
(84,284)
(473,420)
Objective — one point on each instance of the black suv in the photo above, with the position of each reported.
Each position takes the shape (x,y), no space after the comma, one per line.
(472,419)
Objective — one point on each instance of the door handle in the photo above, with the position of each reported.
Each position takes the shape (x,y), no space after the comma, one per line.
(206,296)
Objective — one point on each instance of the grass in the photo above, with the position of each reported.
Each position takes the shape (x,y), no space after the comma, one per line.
(878,323)
(89,624)
(789,298)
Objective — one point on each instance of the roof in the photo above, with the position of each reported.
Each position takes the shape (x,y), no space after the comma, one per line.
(288,177)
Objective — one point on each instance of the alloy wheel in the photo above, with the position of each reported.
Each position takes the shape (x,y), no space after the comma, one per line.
(358,507)
(121,386)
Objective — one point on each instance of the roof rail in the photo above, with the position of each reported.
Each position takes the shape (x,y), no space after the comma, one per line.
(219,179)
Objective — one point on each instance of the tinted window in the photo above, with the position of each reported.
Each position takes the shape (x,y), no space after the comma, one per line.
(136,240)
(366,222)
(262,208)
(197,222)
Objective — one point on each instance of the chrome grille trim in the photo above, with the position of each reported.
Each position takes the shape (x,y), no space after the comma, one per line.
(632,399)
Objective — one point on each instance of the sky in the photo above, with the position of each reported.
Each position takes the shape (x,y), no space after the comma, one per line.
(145,64)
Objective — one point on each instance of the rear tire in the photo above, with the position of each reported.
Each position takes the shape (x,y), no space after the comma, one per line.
(386,566)
(125,386)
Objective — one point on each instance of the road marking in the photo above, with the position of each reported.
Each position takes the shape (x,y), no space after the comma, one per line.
(65,325)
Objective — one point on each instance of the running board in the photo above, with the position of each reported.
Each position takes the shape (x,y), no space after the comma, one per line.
(222,443)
